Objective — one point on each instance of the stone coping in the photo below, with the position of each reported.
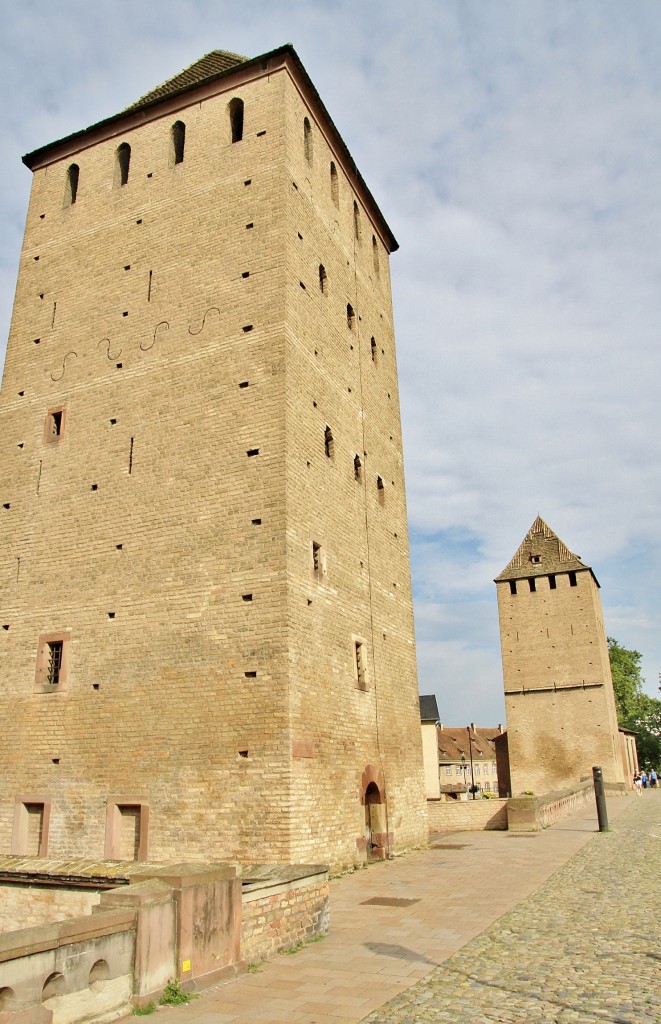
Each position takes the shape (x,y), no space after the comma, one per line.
(261,876)
(25,941)
(108,874)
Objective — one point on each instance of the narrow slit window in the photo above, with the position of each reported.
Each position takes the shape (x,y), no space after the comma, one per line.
(236,119)
(356,222)
(357,468)
(373,349)
(178,141)
(54,425)
(379,484)
(334,185)
(351,317)
(375,255)
(360,666)
(71,190)
(329,443)
(317,560)
(532,584)
(513,587)
(123,161)
(552,583)
(572,579)
(323,279)
(307,140)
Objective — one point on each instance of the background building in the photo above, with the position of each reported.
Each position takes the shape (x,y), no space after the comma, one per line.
(561,717)
(207,642)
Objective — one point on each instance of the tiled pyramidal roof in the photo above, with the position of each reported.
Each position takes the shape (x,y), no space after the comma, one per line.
(541,552)
(214,63)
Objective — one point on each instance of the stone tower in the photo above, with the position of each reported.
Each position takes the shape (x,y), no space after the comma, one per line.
(559,701)
(207,640)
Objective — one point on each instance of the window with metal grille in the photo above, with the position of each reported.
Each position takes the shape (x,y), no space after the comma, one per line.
(53,661)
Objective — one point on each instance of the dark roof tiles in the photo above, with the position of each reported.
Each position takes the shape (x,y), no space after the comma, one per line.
(428,708)
(541,553)
(213,63)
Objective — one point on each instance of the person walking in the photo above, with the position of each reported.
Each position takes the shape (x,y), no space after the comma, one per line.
(643,779)
(653,778)
(638,784)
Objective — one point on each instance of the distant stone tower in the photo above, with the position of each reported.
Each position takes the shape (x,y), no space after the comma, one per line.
(207,645)
(560,708)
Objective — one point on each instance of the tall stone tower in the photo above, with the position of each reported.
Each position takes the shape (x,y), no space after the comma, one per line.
(559,701)
(207,642)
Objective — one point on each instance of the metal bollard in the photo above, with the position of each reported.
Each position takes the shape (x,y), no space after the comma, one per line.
(602,813)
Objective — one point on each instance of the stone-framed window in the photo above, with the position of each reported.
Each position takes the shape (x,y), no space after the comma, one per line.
(52,669)
(54,424)
(31,826)
(127,829)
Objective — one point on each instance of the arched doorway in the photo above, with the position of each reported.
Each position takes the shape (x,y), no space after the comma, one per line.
(375,839)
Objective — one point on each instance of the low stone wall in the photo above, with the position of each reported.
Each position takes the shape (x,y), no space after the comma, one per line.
(38,904)
(170,921)
(532,813)
(82,968)
(466,815)
(281,913)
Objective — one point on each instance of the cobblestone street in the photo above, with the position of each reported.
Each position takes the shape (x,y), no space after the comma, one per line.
(585,947)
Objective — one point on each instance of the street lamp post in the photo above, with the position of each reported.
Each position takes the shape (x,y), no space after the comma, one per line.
(464,768)
(470,751)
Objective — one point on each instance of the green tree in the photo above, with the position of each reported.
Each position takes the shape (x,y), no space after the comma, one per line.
(636,710)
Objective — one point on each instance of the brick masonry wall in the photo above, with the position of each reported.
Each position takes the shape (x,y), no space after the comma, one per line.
(271,924)
(466,815)
(210,677)
(25,906)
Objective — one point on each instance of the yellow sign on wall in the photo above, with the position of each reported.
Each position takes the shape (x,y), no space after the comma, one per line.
(185,966)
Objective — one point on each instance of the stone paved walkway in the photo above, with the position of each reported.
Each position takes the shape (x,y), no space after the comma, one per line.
(585,947)
(573,950)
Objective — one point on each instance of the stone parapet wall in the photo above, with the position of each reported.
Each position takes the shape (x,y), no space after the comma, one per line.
(170,922)
(82,967)
(466,815)
(532,813)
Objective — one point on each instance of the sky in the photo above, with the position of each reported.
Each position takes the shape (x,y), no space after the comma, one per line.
(514,147)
